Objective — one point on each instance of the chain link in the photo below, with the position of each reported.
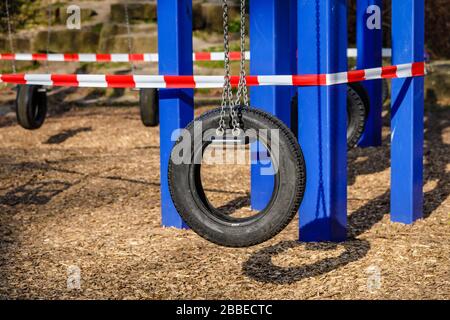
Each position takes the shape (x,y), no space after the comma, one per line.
(227,94)
(49,31)
(130,43)
(10,37)
(242,93)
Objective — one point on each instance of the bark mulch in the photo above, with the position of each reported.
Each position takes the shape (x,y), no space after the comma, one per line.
(82,194)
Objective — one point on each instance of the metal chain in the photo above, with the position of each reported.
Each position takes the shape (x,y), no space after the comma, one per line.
(242,93)
(49,30)
(10,37)
(227,93)
(130,43)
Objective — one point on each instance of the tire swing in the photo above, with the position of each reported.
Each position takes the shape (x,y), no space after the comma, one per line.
(149,107)
(358,107)
(385,90)
(240,125)
(148,97)
(31,106)
(31,100)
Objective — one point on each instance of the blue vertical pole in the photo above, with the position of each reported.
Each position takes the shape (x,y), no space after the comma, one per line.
(407,113)
(322,48)
(293,38)
(369,39)
(270,55)
(176,105)
(293,54)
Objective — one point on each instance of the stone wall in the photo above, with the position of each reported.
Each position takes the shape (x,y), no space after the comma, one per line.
(109,33)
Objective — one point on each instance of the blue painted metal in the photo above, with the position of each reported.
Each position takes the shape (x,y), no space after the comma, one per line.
(407,113)
(270,42)
(293,54)
(322,48)
(176,105)
(293,41)
(369,43)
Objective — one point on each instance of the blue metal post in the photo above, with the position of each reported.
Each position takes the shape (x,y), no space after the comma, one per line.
(176,105)
(293,41)
(270,55)
(407,113)
(369,38)
(293,54)
(322,48)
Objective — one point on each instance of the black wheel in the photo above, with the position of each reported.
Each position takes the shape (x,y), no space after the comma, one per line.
(294,115)
(358,106)
(149,106)
(385,90)
(31,106)
(189,197)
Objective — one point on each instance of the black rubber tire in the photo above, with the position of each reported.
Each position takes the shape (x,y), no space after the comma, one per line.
(385,90)
(294,115)
(189,198)
(149,106)
(358,107)
(31,106)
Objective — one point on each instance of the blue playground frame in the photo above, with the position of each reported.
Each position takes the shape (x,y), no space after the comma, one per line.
(310,37)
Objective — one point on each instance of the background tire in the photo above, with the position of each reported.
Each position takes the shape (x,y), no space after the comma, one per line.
(149,106)
(189,197)
(385,90)
(294,115)
(358,106)
(31,106)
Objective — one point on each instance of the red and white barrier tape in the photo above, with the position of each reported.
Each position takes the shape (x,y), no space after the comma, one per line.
(114,57)
(142,81)
(139,57)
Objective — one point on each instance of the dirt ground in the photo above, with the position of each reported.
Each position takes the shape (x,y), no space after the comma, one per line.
(82,194)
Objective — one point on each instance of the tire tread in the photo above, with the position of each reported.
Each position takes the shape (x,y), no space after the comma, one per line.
(300,186)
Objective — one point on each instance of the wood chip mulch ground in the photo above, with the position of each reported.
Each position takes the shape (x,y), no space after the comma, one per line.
(82,195)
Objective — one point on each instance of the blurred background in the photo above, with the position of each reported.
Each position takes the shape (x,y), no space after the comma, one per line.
(40,26)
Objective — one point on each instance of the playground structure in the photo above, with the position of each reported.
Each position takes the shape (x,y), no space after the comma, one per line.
(275,42)
(148,98)
(135,57)
(317,30)
(31,109)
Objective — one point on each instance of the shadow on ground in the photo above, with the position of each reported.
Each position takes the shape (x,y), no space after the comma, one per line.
(260,266)
(34,192)
(66,134)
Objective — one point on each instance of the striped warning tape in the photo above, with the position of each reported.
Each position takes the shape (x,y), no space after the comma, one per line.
(143,81)
(115,57)
(139,57)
